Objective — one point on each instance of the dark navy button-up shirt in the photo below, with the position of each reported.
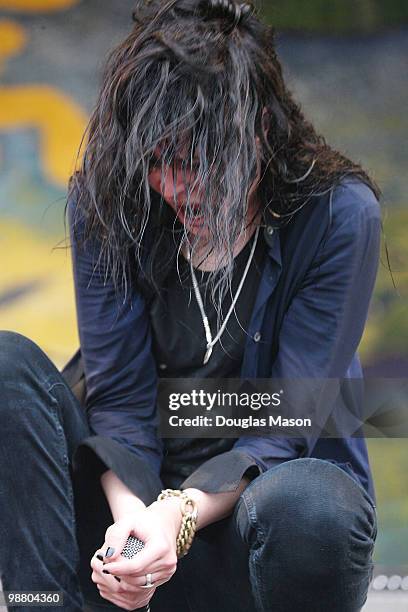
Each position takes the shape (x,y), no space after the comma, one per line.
(308,318)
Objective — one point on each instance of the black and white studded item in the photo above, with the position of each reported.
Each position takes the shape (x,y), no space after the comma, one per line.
(132,547)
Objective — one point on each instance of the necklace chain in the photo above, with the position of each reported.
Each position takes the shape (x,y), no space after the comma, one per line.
(210,340)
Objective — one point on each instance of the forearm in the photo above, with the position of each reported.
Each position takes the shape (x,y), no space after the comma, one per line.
(214,507)
(120,498)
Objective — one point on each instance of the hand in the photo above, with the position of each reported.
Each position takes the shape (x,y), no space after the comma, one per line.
(157,526)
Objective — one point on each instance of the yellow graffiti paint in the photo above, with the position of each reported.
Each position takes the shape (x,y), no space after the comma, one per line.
(59,120)
(12,39)
(37,6)
(46,314)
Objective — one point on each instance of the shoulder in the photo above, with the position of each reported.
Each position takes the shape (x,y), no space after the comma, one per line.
(346,224)
(352,205)
(346,214)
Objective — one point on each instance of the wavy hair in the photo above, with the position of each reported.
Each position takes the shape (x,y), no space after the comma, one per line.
(203,74)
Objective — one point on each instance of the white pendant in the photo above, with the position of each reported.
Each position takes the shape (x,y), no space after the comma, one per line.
(208,354)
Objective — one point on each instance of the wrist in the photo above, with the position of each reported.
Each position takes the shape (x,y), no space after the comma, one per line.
(199,497)
(170,508)
(196,494)
(188,523)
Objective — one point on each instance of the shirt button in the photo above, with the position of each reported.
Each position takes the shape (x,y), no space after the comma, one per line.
(163,366)
(257,336)
(269,230)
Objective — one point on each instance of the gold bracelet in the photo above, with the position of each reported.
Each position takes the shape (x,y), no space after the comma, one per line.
(188,521)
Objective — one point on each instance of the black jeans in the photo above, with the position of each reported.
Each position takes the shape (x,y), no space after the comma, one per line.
(300,538)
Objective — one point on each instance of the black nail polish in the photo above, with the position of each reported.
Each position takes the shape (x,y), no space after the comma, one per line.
(117,578)
(109,551)
(106,572)
(99,557)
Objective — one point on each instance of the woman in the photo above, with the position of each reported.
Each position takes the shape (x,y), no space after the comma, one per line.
(214,234)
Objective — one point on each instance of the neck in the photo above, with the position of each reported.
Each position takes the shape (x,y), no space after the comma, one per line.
(214,261)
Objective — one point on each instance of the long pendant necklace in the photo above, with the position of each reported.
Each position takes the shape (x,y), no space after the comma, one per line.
(210,340)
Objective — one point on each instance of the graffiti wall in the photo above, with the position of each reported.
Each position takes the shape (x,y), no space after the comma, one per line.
(51,54)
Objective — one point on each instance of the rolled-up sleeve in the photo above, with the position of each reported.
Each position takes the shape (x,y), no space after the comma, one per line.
(120,372)
(223,472)
(320,333)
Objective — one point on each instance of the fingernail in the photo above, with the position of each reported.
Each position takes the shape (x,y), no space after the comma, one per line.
(117,578)
(106,572)
(109,551)
(99,557)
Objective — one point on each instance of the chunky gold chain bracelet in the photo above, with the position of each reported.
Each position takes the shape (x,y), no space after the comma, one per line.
(188,521)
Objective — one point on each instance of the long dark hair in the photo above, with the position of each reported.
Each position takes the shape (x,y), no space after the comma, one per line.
(201,74)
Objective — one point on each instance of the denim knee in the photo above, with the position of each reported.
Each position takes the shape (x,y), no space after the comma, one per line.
(309,505)
(25,371)
(18,356)
(15,349)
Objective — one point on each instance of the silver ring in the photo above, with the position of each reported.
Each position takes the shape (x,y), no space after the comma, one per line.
(149,582)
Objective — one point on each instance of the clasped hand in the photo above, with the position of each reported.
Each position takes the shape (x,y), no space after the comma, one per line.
(157,526)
